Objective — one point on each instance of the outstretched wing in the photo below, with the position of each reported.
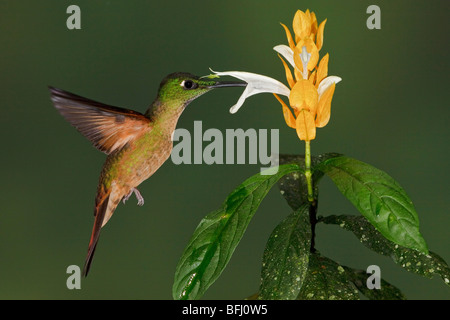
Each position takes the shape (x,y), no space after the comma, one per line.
(108,128)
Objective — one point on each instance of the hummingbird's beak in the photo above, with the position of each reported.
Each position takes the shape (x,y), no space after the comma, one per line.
(223,84)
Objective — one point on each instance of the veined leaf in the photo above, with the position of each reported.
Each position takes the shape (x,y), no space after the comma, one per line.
(379,198)
(285,260)
(218,234)
(293,186)
(386,292)
(412,260)
(326,280)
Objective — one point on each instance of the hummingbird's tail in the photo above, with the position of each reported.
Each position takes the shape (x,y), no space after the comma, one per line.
(106,203)
(100,210)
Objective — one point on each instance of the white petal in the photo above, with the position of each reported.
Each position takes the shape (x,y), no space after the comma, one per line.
(256,83)
(326,83)
(286,52)
(240,102)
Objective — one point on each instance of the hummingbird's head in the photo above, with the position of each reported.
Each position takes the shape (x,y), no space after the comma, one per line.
(182,88)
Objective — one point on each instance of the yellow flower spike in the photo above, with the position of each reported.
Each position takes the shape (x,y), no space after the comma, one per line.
(301,25)
(289,37)
(311,48)
(288,117)
(305,126)
(288,72)
(304,96)
(322,70)
(319,38)
(324,107)
(312,89)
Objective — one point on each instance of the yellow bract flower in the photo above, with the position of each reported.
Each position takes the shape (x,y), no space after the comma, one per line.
(310,96)
(311,89)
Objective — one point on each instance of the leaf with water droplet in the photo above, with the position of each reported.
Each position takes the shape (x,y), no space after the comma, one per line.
(412,260)
(285,259)
(218,234)
(324,281)
(379,198)
(386,292)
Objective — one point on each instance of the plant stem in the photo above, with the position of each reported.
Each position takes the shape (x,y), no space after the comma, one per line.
(313,221)
(308,174)
(313,203)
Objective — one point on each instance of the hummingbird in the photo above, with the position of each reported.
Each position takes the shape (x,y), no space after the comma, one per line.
(136,144)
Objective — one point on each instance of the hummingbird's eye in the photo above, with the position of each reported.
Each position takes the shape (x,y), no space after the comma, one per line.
(188,84)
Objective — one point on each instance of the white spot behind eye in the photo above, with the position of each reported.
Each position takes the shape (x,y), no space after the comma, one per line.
(182,83)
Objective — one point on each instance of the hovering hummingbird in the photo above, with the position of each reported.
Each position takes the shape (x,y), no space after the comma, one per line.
(136,144)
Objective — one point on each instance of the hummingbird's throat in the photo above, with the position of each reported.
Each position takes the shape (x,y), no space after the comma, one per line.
(164,116)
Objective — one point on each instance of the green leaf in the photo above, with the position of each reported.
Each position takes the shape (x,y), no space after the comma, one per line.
(326,280)
(293,186)
(379,198)
(285,260)
(218,234)
(386,292)
(412,260)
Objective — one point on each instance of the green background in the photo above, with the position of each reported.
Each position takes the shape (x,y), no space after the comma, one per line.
(390,110)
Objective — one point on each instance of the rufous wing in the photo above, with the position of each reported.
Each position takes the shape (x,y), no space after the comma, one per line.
(108,128)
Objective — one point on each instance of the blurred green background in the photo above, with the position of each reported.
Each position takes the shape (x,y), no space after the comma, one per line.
(390,110)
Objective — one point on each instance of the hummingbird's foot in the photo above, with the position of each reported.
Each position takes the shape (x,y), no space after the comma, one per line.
(127,196)
(139,197)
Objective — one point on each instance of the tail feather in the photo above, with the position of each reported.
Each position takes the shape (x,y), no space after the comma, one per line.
(90,256)
(100,211)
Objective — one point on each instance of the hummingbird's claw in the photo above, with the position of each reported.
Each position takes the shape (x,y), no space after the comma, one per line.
(127,197)
(139,197)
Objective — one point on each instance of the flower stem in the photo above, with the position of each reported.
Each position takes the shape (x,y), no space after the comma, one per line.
(308,174)
(313,203)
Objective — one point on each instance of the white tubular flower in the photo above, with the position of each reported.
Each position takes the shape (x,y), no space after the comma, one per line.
(256,84)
